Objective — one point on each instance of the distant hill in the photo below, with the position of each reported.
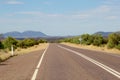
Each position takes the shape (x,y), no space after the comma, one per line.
(26,34)
(105,34)
(118,32)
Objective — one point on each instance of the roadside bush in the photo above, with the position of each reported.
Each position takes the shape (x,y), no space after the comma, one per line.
(28,42)
(1,45)
(42,41)
(118,46)
(113,40)
(98,40)
(86,39)
(21,44)
(75,40)
(66,40)
(71,40)
(8,42)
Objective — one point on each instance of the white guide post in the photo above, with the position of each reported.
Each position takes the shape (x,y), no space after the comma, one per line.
(12,52)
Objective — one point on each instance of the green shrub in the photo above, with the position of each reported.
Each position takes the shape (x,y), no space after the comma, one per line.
(42,41)
(86,39)
(113,40)
(1,45)
(118,46)
(98,40)
(21,44)
(28,42)
(8,42)
(75,40)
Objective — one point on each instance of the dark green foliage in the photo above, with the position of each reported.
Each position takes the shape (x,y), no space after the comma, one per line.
(86,39)
(98,40)
(66,40)
(113,40)
(29,42)
(117,46)
(105,40)
(71,40)
(1,45)
(21,44)
(8,42)
(75,40)
(42,41)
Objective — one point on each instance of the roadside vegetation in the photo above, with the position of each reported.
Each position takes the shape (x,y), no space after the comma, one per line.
(18,45)
(111,42)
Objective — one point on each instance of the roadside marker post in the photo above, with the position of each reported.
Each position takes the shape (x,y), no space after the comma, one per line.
(12,52)
(80,39)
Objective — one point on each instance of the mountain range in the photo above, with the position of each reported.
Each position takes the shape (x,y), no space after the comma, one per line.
(25,34)
(38,34)
(105,34)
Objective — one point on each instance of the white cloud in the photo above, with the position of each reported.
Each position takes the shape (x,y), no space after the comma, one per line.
(81,16)
(37,13)
(14,2)
(110,2)
(47,3)
(30,13)
(54,15)
(102,9)
(96,13)
(112,17)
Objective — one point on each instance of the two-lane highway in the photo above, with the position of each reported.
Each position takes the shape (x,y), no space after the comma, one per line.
(60,62)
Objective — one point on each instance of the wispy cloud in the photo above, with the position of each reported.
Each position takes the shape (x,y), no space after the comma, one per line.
(81,16)
(38,13)
(102,9)
(47,3)
(13,2)
(112,17)
(30,13)
(110,2)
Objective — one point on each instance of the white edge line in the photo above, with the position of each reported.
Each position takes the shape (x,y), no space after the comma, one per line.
(108,69)
(39,64)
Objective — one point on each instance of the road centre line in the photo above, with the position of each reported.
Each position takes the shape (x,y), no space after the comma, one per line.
(108,69)
(39,64)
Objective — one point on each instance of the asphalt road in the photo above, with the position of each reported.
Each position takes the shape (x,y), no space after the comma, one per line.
(60,62)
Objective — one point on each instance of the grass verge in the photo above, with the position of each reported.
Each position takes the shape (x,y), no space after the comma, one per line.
(6,55)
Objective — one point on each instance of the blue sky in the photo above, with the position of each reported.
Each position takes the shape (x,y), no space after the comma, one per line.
(60,17)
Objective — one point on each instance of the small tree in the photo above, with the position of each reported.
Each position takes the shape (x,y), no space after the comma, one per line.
(75,40)
(86,39)
(21,44)
(42,41)
(98,40)
(113,40)
(8,42)
(1,45)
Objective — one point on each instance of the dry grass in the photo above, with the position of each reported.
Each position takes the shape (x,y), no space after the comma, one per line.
(95,48)
(20,51)
(5,55)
